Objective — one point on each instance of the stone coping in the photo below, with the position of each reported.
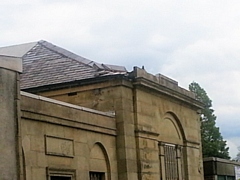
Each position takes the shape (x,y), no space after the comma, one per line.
(162,80)
(227,161)
(164,85)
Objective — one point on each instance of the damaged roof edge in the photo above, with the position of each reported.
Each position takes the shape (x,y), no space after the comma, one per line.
(81,59)
(22,49)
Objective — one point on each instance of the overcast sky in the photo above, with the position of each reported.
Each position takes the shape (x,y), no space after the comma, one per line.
(185,40)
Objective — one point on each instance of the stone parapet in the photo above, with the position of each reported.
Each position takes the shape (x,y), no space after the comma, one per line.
(164,85)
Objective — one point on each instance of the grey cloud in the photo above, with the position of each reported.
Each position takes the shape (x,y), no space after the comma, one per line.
(185,40)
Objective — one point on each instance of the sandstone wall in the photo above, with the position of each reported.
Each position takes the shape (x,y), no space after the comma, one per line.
(150,111)
(9,116)
(60,138)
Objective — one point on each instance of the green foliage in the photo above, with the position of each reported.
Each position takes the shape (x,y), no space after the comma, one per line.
(238,156)
(213,144)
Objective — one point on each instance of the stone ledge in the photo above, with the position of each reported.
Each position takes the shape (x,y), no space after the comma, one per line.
(33,116)
(109,114)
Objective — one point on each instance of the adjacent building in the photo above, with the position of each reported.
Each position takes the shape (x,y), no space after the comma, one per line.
(78,119)
(220,169)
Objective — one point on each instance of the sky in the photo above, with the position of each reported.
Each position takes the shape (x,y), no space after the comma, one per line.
(185,40)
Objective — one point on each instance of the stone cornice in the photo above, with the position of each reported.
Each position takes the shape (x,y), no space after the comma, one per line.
(164,85)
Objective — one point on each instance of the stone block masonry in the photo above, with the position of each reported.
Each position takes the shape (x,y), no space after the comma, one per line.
(9,101)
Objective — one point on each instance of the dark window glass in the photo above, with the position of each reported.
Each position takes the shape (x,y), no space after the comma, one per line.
(96,176)
(60,178)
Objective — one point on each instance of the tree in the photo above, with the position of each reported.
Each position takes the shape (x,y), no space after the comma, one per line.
(213,144)
(238,156)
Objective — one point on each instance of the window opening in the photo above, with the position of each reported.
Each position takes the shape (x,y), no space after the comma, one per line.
(60,174)
(72,94)
(60,178)
(171,165)
(97,176)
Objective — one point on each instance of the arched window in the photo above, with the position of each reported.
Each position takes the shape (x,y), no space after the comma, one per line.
(171,148)
(99,163)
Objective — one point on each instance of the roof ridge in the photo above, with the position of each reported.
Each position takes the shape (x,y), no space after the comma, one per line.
(80,59)
(65,53)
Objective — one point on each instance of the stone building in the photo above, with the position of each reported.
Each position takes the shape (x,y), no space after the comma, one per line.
(78,119)
(220,169)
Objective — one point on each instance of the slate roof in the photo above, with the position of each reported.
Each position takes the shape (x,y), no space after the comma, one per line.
(46,64)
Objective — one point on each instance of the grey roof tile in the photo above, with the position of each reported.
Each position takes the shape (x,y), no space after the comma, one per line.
(47,64)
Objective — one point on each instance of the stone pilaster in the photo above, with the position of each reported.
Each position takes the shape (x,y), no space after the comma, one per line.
(9,108)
